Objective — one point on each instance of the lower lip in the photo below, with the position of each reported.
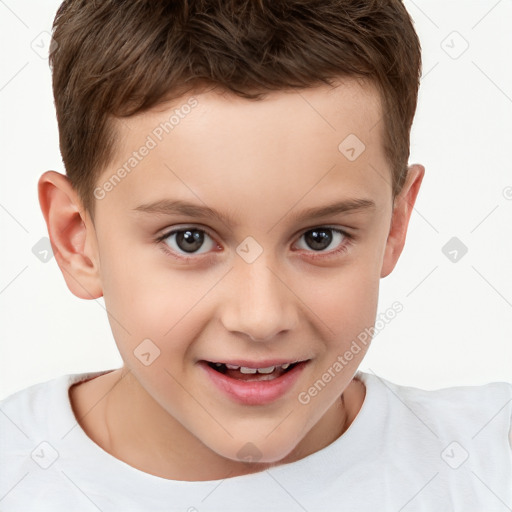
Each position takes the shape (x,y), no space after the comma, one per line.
(255,392)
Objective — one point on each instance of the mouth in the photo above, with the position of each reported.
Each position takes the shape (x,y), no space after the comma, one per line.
(253,383)
(251,373)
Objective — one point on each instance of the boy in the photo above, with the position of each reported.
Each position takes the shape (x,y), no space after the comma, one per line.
(237,185)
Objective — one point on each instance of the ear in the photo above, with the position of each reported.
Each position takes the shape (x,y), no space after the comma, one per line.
(402,209)
(72,235)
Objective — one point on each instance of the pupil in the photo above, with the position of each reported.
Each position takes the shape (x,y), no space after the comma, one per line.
(190,240)
(319,239)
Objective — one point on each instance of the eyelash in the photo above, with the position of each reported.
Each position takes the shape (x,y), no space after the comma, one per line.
(346,243)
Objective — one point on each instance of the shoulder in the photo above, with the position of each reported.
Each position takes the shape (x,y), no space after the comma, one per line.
(36,414)
(28,407)
(34,427)
(483,411)
(474,403)
(31,405)
(456,398)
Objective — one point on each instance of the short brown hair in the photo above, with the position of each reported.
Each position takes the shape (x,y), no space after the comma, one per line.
(117,58)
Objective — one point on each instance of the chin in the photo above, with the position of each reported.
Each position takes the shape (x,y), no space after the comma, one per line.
(263,451)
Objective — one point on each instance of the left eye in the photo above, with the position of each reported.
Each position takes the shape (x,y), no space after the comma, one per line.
(319,239)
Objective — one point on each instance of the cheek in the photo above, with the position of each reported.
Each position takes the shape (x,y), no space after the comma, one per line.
(136,286)
(139,304)
(148,299)
(345,300)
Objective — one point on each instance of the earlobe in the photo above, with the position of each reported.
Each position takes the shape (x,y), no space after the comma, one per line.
(402,210)
(71,235)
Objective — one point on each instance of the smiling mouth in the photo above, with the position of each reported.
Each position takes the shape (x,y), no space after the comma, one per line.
(252,374)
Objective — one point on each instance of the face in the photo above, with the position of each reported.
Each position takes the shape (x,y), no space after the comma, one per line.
(212,249)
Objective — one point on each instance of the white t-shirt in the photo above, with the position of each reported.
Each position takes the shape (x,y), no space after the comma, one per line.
(407,450)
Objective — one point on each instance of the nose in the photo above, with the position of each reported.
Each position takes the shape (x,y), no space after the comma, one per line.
(259,303)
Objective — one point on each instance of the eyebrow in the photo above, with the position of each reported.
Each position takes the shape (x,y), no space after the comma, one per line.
(179,207)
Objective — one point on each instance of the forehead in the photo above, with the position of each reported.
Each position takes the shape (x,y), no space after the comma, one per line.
(213,145)
(352,104)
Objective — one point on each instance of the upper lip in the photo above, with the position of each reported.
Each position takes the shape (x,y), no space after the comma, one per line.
(266,363)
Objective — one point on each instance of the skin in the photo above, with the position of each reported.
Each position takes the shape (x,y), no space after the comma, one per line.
(262,163)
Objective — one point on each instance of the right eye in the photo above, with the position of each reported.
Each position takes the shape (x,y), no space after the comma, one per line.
(188,240)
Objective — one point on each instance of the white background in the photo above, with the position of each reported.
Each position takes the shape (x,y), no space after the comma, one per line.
(456,326)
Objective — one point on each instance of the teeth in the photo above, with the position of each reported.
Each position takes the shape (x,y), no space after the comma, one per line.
(244,369)
(247,370)
(269,369)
